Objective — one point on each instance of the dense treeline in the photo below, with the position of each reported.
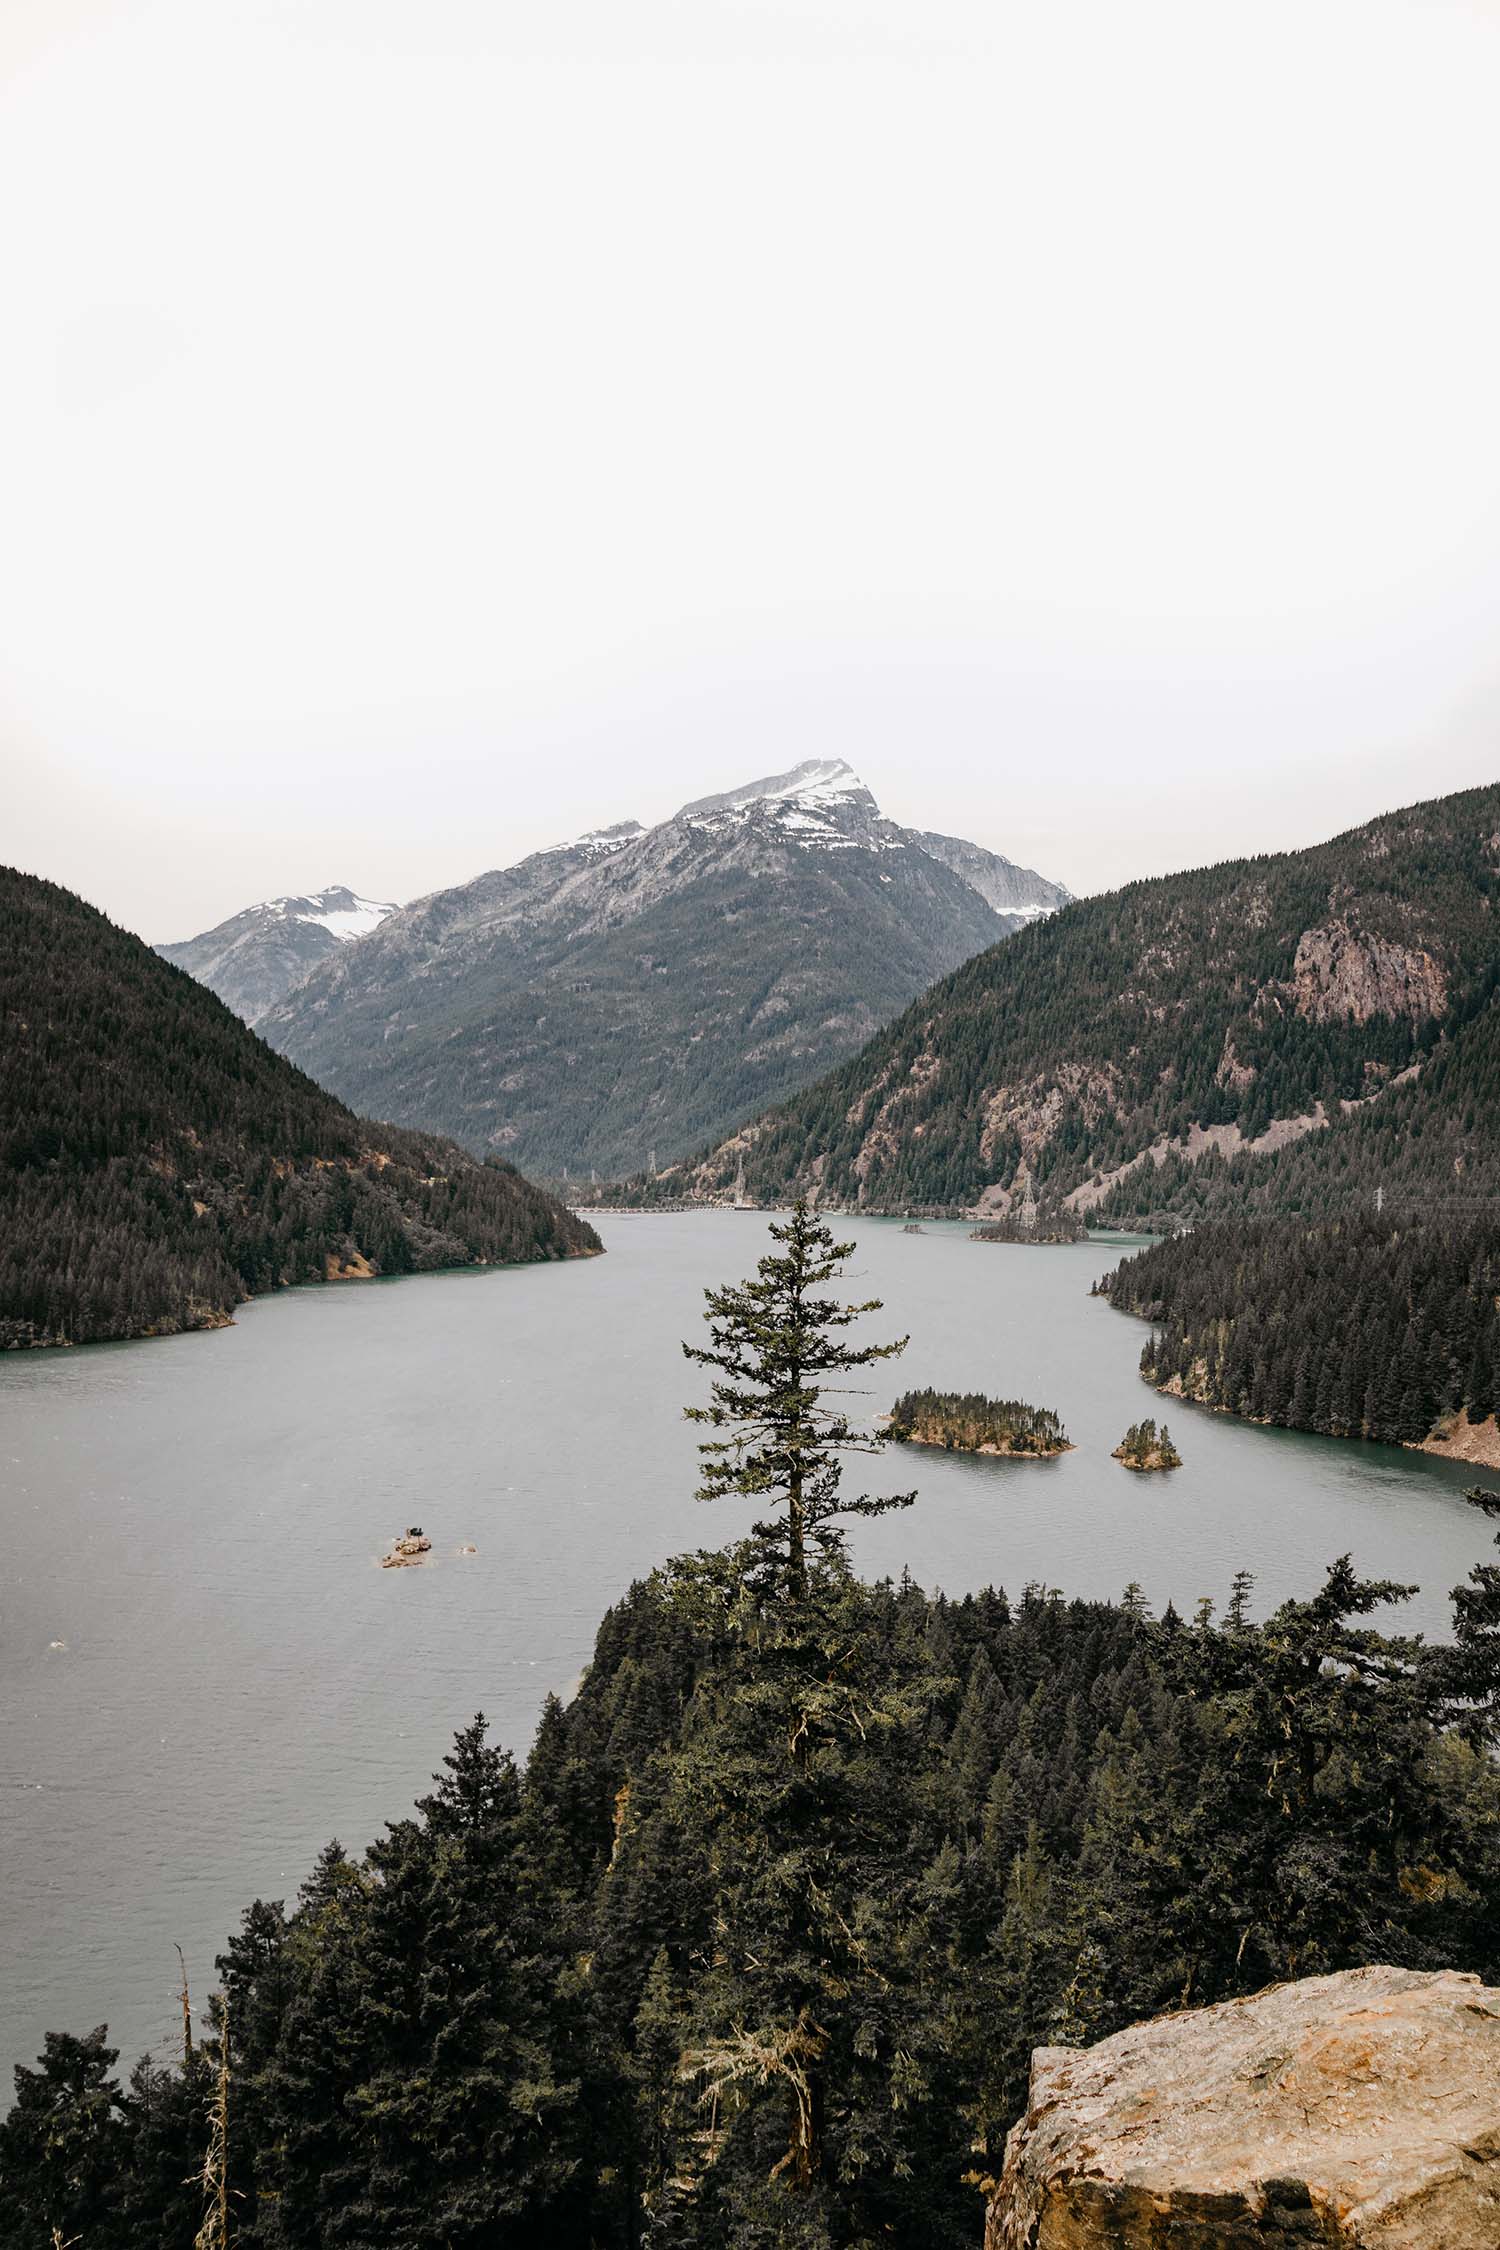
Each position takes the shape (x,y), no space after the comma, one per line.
(158,1163)
(585,2003)
(1361,1327)
(970,1422)
(755,1950)
(1185,1001)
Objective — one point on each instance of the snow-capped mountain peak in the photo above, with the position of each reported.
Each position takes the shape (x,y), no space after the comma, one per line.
(819,788)
(338,910)
(259,954)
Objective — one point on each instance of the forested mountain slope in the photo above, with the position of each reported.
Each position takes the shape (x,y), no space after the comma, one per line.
(158,1163)
(258,955)
(1429,1145)
(643,990)
(1238,1008)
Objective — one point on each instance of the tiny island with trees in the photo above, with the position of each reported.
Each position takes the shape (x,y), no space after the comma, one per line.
(1030,1225)
(1144,1446)
(968,1422)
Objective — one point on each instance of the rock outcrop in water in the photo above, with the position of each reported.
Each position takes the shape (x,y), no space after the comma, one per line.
(1359,2111)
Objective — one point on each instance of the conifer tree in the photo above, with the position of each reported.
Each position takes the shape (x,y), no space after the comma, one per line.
(774,1341)
(61,2146)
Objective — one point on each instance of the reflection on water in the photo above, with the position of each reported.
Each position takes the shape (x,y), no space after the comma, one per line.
(205,1674)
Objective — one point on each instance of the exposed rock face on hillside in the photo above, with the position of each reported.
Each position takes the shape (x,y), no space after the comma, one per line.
(1341,972)
(636,992)
(1359,2111)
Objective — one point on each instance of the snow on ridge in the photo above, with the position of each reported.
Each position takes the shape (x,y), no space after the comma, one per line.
(345,922)
(824,781)
(599,843)
(354,920)
(826,785)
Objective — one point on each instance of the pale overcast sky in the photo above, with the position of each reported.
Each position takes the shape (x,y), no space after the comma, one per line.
(427,429)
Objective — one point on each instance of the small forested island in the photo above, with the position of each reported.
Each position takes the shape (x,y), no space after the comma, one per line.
(968,1422)
(1060,1225)
(1144,1446)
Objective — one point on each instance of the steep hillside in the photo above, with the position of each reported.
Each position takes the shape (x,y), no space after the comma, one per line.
(1429,1144)
(258,955)
(158,1163)
(643,990)
(1236,1009)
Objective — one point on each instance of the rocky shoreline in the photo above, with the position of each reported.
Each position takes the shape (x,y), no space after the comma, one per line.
(995,1452)
(1477,1443)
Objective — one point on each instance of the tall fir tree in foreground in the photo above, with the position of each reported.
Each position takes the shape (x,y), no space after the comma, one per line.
(775,1341)
(800,2044)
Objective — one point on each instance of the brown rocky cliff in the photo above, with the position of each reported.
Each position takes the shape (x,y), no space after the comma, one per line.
(1341,973)
(1358,2111)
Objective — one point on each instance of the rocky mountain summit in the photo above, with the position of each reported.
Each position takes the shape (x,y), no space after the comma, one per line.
(627,995)
(259,954)
(1359,2111)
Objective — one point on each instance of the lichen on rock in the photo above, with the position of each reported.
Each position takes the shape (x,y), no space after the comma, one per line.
(1359,2111)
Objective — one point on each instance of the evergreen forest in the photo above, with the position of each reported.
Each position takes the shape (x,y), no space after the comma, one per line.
(159,1163)
(754,1948)
(1364,1326)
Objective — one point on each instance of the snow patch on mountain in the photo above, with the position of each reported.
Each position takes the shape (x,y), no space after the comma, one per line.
(601,843)
(820,805)
(338,910)
(819,786)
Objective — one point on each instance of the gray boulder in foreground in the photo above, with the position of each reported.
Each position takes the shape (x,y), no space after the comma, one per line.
(1354,2110)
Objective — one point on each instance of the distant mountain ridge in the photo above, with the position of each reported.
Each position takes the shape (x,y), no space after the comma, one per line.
(1288,1032)
(158,1163)
(259,954)
(634,991)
